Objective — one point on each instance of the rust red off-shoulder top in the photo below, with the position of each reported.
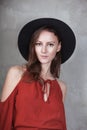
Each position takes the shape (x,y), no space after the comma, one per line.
(25,108)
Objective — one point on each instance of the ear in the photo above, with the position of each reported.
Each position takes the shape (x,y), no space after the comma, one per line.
(59,47)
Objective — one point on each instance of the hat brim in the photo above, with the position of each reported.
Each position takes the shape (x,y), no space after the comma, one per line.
(68,37)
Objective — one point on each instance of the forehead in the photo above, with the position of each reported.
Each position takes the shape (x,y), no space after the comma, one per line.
(45,34)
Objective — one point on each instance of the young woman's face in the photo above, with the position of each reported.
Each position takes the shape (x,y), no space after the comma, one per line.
(46,46)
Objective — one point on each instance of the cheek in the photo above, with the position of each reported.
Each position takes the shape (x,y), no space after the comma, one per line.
(37,50)
(53,53)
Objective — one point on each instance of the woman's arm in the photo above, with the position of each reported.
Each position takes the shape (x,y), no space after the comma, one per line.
(13,77)
(63,88)
(8,96)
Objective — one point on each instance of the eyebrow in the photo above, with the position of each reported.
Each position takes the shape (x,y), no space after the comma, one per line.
(47,42)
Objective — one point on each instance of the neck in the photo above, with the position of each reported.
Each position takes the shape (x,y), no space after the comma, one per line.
(45,73)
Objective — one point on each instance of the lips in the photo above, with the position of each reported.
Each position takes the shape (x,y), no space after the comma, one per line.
(44,56)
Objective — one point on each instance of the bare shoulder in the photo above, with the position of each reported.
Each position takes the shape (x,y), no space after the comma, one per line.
(13,76)
(63,87)
(15,72)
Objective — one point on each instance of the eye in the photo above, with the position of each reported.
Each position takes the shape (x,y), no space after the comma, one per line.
(50,44)
(38,44)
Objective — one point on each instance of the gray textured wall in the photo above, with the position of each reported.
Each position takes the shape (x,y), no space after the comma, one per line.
(15,13)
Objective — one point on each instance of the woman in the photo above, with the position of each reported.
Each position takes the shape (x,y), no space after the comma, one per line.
(33,96)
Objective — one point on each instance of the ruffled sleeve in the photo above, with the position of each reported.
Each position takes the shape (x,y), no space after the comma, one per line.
(6,111)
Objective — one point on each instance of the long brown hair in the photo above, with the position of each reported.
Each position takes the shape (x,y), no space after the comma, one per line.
(33,65)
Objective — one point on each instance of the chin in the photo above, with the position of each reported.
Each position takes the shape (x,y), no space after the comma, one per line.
(45,62)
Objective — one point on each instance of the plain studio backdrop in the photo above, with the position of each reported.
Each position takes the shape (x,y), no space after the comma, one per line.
(15,13)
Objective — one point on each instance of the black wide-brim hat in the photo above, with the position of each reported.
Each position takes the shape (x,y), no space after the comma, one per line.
(68,38)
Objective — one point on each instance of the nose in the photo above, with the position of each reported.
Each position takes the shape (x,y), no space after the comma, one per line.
(44,49)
